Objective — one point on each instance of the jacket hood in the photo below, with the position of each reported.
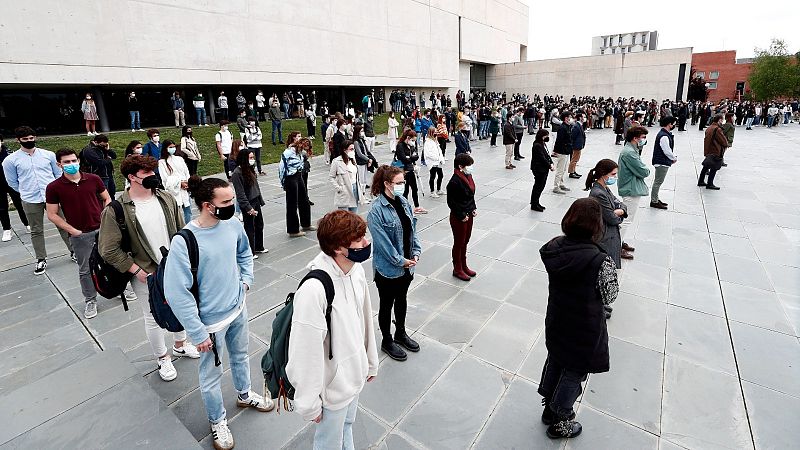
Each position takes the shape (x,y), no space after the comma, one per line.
(326,263)
(565,255)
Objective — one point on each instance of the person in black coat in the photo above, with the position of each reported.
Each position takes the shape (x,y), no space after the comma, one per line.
(461,201)
(406,153)
(509,141)
(541,164)
(582,280)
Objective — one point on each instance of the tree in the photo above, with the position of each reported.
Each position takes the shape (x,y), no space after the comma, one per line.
(775,73)
(697,87)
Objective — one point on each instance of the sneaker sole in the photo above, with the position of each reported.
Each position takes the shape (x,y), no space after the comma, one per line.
(219,447)
(90,317)
(247,405)
(168,379)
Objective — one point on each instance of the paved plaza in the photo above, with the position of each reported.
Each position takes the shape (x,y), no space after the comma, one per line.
(704,341)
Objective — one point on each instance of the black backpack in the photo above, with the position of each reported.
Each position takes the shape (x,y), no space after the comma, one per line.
(108,281)
(159,306)
(274,361)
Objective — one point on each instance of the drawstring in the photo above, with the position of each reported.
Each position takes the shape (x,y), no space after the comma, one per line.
(213,337)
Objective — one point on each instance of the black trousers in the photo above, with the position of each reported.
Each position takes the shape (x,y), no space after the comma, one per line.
(296,202)
(4,219)
(442,144)
(254,228)
(191,164)
(539,182)
(411,184)
(436,172)
(257,153)
(711,174)
(494,139)
(560,387)
(393,293)
(516,146)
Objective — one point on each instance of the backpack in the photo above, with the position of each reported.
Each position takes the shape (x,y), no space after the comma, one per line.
(159,306)
(274,361)
(107,280)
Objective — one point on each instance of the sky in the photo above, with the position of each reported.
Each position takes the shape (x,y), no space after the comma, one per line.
(734,25)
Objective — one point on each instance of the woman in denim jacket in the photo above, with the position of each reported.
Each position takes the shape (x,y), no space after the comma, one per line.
(396,250)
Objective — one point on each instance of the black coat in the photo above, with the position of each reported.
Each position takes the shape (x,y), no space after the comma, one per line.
(460,198)
(509,136)
(575,325)
(563,140)
(540,158)
(407,155)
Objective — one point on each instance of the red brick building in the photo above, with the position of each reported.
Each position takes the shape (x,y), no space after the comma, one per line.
(722,72)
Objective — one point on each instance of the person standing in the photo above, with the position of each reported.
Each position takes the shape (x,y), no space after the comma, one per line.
(663,158)
(462,142)
(581,280)
(5,192)
(190,149)
(199,104)
(393,124)
(28,171)
(510,142)
(177,110)
(344,178)
(97,158)
(614,212)
(461,201)
(224,141)
(153,145)
(313,357)
(519,131)
(248,196)
(494,127)
(290,173)
(311,123)
(222,104)
(369,132)
(275,118)
(730,130)
(632,172)
(393,228)
(151,217)
(73,205)
(364,160)
(253,137)
(541,165)
(563,151)
(435,162)
(89,110)
(714,143)
(133,109)
(578,142)
(406,153)
(175,177)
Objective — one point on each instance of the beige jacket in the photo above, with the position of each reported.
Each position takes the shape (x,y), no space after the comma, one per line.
(342,182)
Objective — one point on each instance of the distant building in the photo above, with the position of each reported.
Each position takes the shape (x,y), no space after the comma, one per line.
(724,74)
(612,44)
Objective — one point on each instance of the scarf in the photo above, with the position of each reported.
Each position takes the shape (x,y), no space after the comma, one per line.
(468,180)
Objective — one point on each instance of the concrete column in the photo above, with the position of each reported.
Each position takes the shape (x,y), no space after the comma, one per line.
(343,100)
(97,95)
(212,106)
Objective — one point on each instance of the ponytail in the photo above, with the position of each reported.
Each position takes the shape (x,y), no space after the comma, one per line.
(590,179)
(601,169)
(384,174)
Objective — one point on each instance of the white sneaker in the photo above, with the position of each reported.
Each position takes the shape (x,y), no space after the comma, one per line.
(6,235)
(557,191)
(188,350)
(434,195)
(133,130)
(90,311)
(256,401)
(166,370)
(28,227)
(255,256)
(564,188)
(223,439)
(89,133)
(129,294)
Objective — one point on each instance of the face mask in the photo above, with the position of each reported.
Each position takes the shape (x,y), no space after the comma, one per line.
(611,181)
(224,212)
(398,189)
(171,150)
(252,162)
(150,182)
(156,139)
(225,128)
(643,142)
(88,98)
(137,151)
(28,144)
(546,139)
(351,154)
(469,170)
(252,124)
(72,169)
(359,255)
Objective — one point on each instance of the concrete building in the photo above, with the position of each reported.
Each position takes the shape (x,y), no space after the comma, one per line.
(635,42)
(722,72)
(64,49)
(660,74)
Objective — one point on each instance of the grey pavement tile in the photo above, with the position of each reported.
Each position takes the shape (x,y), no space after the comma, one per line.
(433,258)
(664,444)
(22,332)
(691,238)
(532,292)
(653,253)
(270,297)
(524,252)
(785,279)
(645,280)
(534,362)
(791,305)
(767,358)
(689,221)
(497,281)
(773,417)
(461,319)
(515,226)
(733,245)
(725,226)
(44,346)
(743,271)
(699,338)
(758,232)
(475,262)
(367,432)
(458,409)
(395,441)
(639,320)
(516,422)
(127,337)
(35,370)
(161,431)
(399,385)
(694,261)
(695,292)
(702,408)
(544,232)
(507,337)
(425,301)
(631,390)
(602,431)
(755,307)
(778,253)
(493,244)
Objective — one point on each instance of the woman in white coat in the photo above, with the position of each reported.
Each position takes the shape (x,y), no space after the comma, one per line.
(343,175)
(393,125)
(175,177)
(435,160)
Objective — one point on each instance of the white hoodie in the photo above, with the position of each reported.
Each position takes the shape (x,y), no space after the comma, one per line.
(319,381)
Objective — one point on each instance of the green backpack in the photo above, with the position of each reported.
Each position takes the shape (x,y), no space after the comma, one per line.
(274,361)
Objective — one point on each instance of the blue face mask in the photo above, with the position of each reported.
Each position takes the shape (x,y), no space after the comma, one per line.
(171,150)
(72,169)
(611,181)
(398,189)
(469,170)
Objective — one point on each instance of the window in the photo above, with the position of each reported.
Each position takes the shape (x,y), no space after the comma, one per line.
(622,50)
(714,74)
(712,85)
(700,75)
(613,50)
(643,38)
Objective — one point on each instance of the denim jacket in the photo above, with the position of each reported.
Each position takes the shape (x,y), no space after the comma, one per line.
(387,237)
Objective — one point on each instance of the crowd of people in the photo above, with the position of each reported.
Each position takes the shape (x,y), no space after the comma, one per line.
(136,230)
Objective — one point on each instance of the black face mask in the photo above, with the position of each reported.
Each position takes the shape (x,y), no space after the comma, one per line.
(359,255)
(224,212)
(28,144)
(546,139)
(150,182)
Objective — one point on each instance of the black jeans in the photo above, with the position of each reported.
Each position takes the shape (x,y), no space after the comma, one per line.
(516,146)
(191,164)
(4,219)
(436,172)
(494,139)
(560,387)
(257,153)
(296,201)
(711,174)
(539,181)
(442,144)
(411,183)
(254,228)
(392,293)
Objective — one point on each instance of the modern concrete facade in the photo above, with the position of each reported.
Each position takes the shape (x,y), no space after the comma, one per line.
(722,72)
(661,74)
(638,41)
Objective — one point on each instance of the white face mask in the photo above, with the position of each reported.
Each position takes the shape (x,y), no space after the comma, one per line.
(137,151)
(252,162)
(351,154)
(156,139)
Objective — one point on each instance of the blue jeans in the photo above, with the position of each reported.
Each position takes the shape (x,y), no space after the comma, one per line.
(135,122)
(277,125)
(234,338)
(187,214)
(335,430)
(770,120)
(201,116)
(749,122)
(483,129)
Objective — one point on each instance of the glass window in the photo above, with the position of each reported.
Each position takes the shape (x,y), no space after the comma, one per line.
(712,85)
(643,38)
(714,74)
(700,75)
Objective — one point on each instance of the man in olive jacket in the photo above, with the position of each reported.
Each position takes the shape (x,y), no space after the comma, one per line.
(632,172)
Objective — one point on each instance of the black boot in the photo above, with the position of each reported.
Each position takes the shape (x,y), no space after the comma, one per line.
(564,428)
(548,416)
(402,338)
(393,350)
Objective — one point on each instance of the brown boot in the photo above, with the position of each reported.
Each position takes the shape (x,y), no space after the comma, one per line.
(458,271)
(466,269)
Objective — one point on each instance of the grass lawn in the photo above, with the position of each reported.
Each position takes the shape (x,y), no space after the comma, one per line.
(210,163)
